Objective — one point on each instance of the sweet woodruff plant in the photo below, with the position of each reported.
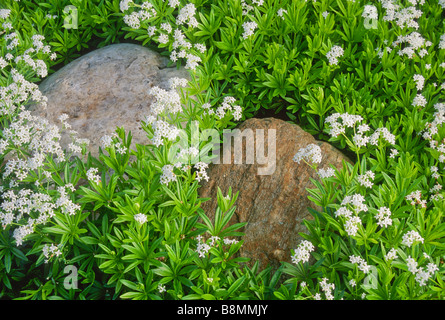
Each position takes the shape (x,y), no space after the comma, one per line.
(367,77)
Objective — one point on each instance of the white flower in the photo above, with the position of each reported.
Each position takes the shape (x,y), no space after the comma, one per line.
(151,31)
(393,154)
(4,13)
(365,179)
(228,241)
(50,250)
(334,53)
(201,47)
(419,100)
(201,173)
(326,173)
(173,3)
(420,81)
(384,217)
(415,198)
(106,141)
(202,248)
(91,175)
(327,288)
(370,12)
(391,255)
(343,212)
(186,15)
(310,153)
(302,253)
(167,27)
(352,225)
(249,28)
(442,42)
(362,264)
(281,13)
(124,5)
(357,201)
(431,267)
(3,63)
(192,61)
(411,237)
(167,174)
(132,20)
(140,217)
(163,38)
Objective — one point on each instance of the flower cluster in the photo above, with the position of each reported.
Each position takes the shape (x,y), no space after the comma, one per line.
(202,247)
(411,237)
(391,255)
(247,7)
(310,154)
(420,81)
(92,176)
(201,171)
(403,17)
(347,121)
(326,172)
(50,251)
(134,20)
(365,179)
(362,264)
(168,101)
(327,288)
(415,44)
(228,106)
(383,217)
(333,54)
(140,218)
(360,139)
(187,153)
(431,131)
(187,15)
(302,253)
(40,138)
(249,28)
(166,33)
(370,12)
(162,130)
(19,207)
(351,218)
(421,275)
(167,174)
(415,198)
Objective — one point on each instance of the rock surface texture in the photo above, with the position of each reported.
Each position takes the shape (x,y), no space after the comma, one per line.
(273,205)
(104,89)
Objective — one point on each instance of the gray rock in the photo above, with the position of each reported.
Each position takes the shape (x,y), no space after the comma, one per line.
(105,89)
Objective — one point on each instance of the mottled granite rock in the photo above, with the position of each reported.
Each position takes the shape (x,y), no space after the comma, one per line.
(273,205)
(104,89)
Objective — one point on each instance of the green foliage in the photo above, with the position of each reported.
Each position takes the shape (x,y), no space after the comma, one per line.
(130,234)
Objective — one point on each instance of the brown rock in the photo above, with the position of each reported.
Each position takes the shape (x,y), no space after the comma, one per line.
(273,205)
(104,89)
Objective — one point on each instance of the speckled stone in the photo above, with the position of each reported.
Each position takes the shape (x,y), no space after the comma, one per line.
(104,89)
(273,205)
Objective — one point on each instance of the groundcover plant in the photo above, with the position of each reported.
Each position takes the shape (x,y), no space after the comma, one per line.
(367,76)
